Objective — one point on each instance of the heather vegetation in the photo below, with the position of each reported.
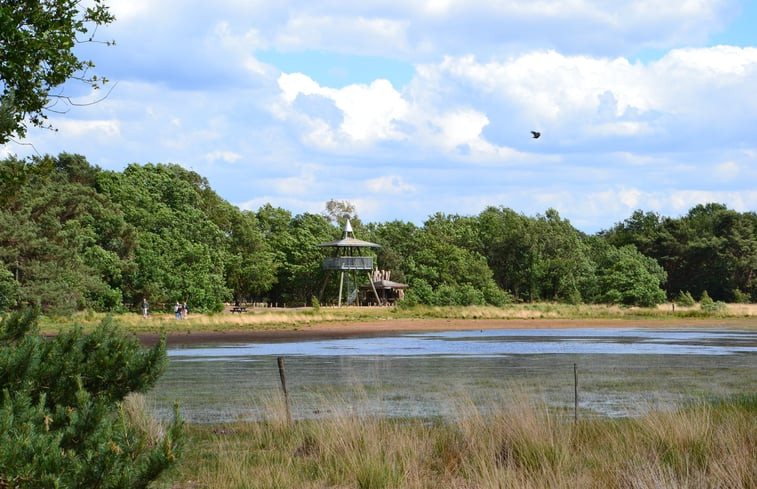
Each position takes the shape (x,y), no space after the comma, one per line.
(75,237)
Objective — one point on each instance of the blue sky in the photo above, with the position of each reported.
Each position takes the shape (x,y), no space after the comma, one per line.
(408,108)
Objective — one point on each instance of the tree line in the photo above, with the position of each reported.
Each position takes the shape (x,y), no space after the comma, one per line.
(74,236)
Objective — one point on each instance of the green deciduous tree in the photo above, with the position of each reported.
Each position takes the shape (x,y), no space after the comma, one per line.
(559,262)
(180,253)
(710,248)
(535,258)
(505,240)
(63,423)
(446,260)
(300,272)
(399,241)
(37,41)
(252,267)
(625,276)
(73,236)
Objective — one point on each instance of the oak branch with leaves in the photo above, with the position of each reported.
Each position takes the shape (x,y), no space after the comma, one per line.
(37,41)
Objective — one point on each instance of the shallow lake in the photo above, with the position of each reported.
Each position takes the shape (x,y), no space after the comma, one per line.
(620,372)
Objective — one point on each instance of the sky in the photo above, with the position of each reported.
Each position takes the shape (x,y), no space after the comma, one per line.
(407,108)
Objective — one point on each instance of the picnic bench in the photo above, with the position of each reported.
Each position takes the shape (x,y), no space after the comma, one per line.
(239,309)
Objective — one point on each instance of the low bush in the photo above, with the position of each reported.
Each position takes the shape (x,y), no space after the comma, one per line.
(685,299)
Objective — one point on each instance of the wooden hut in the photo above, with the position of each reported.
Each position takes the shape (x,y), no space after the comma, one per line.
(388,291)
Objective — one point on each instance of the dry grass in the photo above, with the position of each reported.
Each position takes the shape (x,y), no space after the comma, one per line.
(138,414)
(267,319)
(519,443)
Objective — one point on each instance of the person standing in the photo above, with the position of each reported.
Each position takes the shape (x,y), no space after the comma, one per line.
(177,310)
(184,311)
(145,308)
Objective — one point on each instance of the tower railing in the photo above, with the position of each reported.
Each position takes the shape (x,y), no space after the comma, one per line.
(348,263)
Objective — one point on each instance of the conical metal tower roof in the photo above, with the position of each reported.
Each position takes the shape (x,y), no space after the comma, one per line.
(348,240)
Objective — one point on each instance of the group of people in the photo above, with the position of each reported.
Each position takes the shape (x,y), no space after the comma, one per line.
(180,309)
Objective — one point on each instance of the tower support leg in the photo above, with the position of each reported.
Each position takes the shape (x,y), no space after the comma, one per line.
(341,285)
(373,286)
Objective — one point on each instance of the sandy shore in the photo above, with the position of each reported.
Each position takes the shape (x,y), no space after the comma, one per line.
(389,326)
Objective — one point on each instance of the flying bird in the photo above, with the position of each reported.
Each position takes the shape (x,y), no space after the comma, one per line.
(535,134)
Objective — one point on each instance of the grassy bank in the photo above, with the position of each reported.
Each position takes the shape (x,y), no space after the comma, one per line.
(281,318)
(515,444)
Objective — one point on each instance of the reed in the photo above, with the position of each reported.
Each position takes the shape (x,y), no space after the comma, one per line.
(515,443)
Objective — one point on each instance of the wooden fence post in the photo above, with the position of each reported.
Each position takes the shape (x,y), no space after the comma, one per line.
(575,393)
(283,377)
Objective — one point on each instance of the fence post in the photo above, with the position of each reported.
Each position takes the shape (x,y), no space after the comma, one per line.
(283,377)
(575,393)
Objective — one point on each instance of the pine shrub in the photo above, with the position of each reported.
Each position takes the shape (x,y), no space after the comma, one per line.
(685,299)
(62,417)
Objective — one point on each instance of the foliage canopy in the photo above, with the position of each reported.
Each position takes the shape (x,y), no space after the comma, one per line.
(73,236)
(37,40)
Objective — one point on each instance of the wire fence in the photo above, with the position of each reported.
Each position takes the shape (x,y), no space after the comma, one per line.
(222,386)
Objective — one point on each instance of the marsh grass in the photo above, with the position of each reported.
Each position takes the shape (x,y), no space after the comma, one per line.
(295,318)
(515,443)
(138,413)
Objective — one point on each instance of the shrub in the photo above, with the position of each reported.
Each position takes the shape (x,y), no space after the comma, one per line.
(62,417)
(467,295)
(420,292)
(741,297)
(715,306)
(707,304)
(445,295)
(685,299)
(495,296)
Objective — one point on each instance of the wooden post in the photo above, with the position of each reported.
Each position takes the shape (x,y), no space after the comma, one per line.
(341,284)
(373,287)
(283,377)
(575,393)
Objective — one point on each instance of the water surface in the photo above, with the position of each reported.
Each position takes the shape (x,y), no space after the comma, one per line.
(621,371)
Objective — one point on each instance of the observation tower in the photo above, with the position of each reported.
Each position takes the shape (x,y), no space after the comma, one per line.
(347,258)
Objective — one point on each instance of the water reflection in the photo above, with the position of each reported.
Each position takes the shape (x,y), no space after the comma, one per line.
(621,371)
